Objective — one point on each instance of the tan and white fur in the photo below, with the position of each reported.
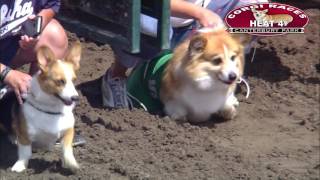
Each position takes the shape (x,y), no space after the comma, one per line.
(46,115)
(262,16)
(200,79)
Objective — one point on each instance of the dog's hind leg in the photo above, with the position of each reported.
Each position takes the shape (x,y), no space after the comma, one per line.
(19,126)
(68,156)
(24,154)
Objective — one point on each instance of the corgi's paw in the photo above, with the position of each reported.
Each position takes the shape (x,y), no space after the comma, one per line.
(70,162)
(233,101)
(228,113)
(175,111)
(19,166)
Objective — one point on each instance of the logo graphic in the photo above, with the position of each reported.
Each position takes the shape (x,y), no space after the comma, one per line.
(266,19)
(11,17)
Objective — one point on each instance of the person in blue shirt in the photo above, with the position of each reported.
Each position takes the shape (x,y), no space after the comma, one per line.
(17,49)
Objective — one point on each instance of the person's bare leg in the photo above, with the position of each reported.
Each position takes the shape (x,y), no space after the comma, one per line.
(52,36)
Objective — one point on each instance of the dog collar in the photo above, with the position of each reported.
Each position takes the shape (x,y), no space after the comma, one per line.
(41,110)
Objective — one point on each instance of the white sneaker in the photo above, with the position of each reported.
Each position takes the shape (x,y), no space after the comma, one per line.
(114,91)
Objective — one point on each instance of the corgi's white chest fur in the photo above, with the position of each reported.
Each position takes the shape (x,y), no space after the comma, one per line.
(43,128)
(203,101)
(196,104)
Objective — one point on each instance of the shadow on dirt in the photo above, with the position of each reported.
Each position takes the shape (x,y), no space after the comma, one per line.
(8,152)
(8,156)
(213,121)
(267,66)
(41,165)
(92,91)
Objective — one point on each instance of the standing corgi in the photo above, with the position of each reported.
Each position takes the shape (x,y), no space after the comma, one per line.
(201,77)
(46,115)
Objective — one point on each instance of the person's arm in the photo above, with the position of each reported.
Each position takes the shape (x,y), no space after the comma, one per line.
(185,9)
(17,80)
(47,13)
(4,71)
(47,16)
(49,10)
(2,66)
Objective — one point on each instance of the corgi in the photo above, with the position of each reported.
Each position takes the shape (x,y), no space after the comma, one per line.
(195,81)
(201,77)
(276,18)
(46,114)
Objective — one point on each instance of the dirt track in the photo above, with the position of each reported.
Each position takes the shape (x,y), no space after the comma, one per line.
(275,136)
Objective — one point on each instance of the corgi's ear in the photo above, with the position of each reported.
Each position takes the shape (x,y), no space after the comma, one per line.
(44,56)
(265,11)
(74,55)
(243,38)
(197,44)
(253,9)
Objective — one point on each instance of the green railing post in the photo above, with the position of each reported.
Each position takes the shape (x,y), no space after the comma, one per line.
(159,9)
(163,6)
(134,26)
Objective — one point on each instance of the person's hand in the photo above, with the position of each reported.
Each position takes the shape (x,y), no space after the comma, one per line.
(19,82)
(27,42)
(207,18)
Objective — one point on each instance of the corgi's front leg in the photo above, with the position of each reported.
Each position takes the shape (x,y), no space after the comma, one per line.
(175,110)
(24,154)
(68,156)
(229,110)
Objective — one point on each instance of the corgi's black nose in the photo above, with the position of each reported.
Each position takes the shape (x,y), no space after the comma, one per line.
(75,98)
(232,76)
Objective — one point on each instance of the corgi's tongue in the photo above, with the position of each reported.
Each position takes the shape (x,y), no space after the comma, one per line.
(65,101)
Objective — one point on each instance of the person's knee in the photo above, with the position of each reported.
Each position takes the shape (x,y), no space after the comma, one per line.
(55,37)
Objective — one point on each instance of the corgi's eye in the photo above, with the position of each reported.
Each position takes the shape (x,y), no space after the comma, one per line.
(217,61)
(60,82)
(233,57)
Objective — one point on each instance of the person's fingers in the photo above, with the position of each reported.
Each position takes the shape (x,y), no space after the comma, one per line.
(23,89)
(22,42)
(27,42)
(27,83)
(24,38)
(17,92)
(28,39)
(32,16)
